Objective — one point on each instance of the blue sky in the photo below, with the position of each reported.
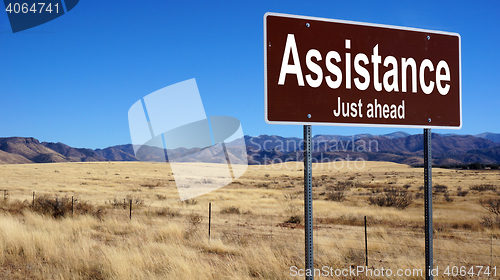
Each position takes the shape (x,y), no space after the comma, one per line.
(73,79)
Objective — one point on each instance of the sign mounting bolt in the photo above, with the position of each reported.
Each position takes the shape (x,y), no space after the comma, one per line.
(429,119)
(428,37)
(307,24)
(308,116)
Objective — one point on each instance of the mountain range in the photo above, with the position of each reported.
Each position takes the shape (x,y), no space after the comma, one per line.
(400,147)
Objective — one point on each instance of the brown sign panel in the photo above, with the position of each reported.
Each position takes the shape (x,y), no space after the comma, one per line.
(331,72)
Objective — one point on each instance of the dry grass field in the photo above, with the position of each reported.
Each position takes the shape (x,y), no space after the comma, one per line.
(256,230)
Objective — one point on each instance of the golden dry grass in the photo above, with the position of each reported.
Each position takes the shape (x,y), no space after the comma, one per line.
(164,241)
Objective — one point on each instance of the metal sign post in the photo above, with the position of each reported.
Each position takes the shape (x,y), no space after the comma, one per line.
(308,207)
(428,203)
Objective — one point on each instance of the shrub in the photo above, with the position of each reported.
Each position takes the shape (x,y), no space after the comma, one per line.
(125,203)
(14,206)
(338,196)
(295,219)
(483,187)
(190,201)
(462,193)
(290,206)
(161,196)
(342,186)
(82,207)
(99,214)
(230,210)
(350,220)
(492,205)
(116,203)
(392,197)
(194,220)
(60,207)
(475,166)
(440,188)
(167,212)
(447,197)
(264,185)
(490,222)
(354,257)
(345,185)
(51,206)
(137,201)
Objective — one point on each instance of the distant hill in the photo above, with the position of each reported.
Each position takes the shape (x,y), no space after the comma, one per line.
(395,135)
(440,144)
(73,154)
(495,137)
(400,147)
(490,153)
(446,150)
(117,153)
(30,149)
(8,158)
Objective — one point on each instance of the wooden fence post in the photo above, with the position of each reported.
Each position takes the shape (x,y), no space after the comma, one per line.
(131,209)
(209,218)
(366,245)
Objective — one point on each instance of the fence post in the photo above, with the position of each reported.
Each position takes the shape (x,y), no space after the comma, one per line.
(131,209)
(4,194)
(33,204)
(366,245)
(72,206)
(209,218)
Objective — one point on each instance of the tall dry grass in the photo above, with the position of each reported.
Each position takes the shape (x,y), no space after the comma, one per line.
(39,247)
(165,239)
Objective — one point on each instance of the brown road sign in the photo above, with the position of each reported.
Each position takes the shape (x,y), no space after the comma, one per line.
(331,72)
